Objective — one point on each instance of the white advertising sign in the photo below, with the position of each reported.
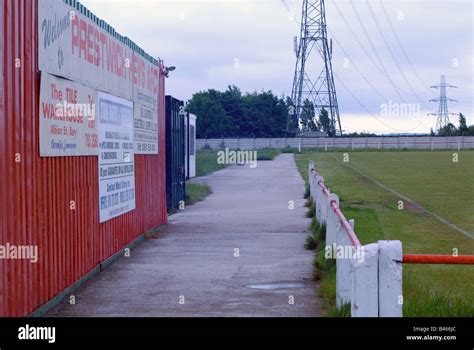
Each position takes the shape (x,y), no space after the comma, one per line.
(68,125)
(145,123)
(116,157)
(73,46)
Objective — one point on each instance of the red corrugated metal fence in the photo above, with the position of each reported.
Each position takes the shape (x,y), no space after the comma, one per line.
(35,193)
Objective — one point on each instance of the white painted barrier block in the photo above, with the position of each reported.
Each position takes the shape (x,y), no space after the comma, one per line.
(332,222)
(315,190)
(323,202)
(364,283)
(343,264)
(390,279)
(320,199)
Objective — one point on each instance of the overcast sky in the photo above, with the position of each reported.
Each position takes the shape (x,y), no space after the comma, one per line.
(250,44)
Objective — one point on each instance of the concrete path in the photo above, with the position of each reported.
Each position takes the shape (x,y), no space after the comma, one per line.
(238,253)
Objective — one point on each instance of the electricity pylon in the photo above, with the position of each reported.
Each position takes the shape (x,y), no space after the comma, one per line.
(313,79)
(443,113)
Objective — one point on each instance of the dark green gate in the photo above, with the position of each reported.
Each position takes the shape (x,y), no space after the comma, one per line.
(175,178)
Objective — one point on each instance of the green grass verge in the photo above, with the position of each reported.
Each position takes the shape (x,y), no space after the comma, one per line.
(206,162)
(434,182)
(267,153)
(196,192)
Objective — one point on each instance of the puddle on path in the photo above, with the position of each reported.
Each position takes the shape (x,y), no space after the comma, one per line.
(277,285)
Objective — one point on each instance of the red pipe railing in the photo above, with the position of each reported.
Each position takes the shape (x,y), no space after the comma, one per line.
(407,258)
(350,232)
(438,259)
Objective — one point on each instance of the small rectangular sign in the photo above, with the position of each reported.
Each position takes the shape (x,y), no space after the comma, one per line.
(68,125)
(116,157)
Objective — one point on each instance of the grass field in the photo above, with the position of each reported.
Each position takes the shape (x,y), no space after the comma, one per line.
(434,182)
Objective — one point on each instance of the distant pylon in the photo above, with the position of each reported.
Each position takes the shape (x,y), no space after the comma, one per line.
(313,79)
(443,113)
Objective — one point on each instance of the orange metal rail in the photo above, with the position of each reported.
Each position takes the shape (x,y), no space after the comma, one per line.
(350,232)
(438,259)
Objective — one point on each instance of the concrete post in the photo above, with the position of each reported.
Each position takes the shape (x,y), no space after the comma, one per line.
(364,283)
(331,220)
(390,279)
(318,198)
(343,247)
(315,190)
(323,204)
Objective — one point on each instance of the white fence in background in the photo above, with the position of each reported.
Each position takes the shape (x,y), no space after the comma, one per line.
(397,142)
(369,278)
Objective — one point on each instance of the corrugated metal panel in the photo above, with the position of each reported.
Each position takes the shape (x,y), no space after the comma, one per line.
(35,193)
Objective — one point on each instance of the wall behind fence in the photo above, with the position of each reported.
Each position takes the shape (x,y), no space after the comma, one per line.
(401,142)
(35,193)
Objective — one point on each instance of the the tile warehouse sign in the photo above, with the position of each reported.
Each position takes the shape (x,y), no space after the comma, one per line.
(68,125)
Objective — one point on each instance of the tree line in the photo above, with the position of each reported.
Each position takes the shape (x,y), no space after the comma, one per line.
(452,130)
(231,113)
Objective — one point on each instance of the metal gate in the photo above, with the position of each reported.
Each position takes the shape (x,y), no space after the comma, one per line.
(175,178)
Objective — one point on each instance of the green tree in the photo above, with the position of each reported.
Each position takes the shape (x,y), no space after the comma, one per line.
(448,130)
(213,120)
(463,129)
(232,102)
(307,117)
(325,122)
(470,130)
(233,114)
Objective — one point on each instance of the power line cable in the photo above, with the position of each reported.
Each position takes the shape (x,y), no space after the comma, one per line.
(368,111)
(392,27)
(362,46)
(374,17)
(375,50)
